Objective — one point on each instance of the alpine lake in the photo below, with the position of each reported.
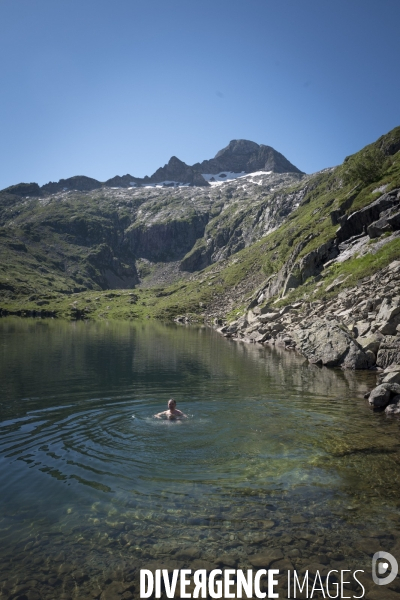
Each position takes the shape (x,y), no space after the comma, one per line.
(278,461)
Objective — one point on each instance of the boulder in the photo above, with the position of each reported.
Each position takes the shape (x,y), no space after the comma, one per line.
(356,358)
(267,309)
(260,337)
(382,395)
(391,369)
(327,343)
(370,342)
(394,266)
(251,317)
(268,317)
(277,328)
(390,327)
(393,377)
(394,407)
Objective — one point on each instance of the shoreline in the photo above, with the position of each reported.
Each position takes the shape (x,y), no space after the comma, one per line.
(357,330)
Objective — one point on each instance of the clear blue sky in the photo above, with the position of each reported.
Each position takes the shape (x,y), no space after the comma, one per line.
(107,87)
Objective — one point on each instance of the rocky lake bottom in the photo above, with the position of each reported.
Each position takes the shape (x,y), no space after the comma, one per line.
(280,464)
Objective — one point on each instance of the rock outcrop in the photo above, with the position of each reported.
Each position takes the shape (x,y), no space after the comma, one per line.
(371,218)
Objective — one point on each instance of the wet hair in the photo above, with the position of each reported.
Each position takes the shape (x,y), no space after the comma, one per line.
(171,400)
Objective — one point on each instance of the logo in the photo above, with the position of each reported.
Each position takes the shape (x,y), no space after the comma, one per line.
(381,561)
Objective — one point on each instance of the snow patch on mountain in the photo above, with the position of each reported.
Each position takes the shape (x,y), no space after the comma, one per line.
(224,176)
(166,183)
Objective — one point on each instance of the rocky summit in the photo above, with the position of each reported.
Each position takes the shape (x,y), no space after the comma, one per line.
(244,242)
(243,156)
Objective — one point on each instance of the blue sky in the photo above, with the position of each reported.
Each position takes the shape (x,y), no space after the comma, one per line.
(107,87)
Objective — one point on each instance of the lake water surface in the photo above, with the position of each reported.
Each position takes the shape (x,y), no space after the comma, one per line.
(275,455)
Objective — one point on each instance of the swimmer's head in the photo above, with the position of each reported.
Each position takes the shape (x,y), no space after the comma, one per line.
(171,403)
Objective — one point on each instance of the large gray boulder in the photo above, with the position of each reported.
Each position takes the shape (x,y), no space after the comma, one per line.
(370,342)
(382,395)
(379,396)
(327,343)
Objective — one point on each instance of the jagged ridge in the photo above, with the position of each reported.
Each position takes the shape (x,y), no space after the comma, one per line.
(239,156)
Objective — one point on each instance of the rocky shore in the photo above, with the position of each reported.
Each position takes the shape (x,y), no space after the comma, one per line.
(359,329)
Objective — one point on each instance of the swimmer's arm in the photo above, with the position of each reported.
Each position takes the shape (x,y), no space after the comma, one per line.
(160,415)
(181,414)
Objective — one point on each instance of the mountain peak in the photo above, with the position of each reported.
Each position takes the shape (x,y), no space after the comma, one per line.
(238,147)
(246,156)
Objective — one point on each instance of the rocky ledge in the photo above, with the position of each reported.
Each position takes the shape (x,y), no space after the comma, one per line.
(358,329)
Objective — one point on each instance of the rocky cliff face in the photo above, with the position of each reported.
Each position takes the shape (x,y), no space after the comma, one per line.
(166,241)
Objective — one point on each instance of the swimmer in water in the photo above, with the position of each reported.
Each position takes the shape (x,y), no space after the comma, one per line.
(172,413)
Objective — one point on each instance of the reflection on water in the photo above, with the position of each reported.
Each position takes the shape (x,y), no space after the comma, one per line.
(274,455)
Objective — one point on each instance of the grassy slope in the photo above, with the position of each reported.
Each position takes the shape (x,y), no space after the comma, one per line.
(238,276)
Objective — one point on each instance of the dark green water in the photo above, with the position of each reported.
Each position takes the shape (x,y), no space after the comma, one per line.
(275,455)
